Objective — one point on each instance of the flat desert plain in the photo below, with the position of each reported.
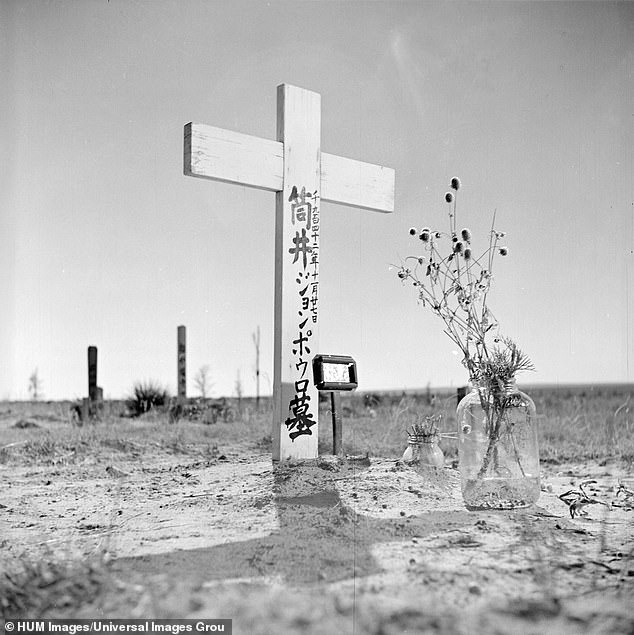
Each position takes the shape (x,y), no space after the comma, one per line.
(143,518)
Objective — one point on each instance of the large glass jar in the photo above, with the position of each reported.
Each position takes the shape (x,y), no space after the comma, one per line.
(498,454)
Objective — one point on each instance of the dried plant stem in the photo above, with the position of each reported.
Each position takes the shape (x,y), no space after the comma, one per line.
(456,288)
(493,433)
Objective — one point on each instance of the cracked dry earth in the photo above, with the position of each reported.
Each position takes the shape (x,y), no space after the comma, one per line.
(327,546)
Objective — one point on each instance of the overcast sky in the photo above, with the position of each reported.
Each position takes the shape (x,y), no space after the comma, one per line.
(104,241)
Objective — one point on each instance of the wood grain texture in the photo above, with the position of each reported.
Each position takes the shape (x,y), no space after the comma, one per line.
(299,131)
(233,157)
(224,155)
(357,184)
(293,163)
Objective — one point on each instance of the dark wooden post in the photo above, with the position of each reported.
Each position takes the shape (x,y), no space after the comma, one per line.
(181,377)
(93,403)
(460,394)
(337,428)
(92,373)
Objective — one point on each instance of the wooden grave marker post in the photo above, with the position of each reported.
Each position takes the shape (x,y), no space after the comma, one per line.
(181,363)
(93,404)
(301,175)
(92,373)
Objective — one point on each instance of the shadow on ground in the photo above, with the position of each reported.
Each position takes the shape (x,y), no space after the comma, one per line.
(320,539)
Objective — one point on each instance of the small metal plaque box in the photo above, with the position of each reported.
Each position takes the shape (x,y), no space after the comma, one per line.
(334,372)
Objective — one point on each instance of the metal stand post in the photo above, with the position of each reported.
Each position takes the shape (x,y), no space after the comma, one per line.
(335,406)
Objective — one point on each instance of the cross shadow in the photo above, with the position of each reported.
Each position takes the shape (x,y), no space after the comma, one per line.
(320,539)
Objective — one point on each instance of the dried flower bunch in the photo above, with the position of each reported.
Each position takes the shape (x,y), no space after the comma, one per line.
(454,283)
(425,430)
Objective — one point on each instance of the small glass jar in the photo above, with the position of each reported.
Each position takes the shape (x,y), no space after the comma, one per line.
(423,453)
(498,455)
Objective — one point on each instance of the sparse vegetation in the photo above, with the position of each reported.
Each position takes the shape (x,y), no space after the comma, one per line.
(30,588)
(576,424)
(146,396)
(35,386)
(256,343)
(203,382)
(239,391)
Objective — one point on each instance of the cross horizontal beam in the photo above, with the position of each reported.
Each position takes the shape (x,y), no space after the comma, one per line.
(224,155)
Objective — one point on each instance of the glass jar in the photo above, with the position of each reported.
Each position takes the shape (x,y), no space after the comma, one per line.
(423,453)
(498,454)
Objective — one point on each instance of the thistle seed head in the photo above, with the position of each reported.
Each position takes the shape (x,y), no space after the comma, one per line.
(412,231)
(466,235)
(455,183)
(503,251)
(449,197)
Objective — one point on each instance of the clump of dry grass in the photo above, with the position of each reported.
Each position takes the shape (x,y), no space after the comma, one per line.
(382,429)
(47,586)
(146,396)
(585,423)
(575,423)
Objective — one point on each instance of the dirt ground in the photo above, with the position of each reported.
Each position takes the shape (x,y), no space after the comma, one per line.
(356,546)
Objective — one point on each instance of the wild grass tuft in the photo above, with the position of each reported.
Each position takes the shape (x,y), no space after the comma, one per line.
(146,396)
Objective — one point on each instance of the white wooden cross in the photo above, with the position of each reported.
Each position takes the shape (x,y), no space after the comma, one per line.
(301,175)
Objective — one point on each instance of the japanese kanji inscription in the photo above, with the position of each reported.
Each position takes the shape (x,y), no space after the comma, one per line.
(301,175)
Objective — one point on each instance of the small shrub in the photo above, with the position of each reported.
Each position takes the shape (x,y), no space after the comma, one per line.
(146,396)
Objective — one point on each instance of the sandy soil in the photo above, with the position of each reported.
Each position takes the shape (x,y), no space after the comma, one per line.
(357,546)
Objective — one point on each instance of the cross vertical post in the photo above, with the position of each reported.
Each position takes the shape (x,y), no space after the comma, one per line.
(301,175)
(295,398)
